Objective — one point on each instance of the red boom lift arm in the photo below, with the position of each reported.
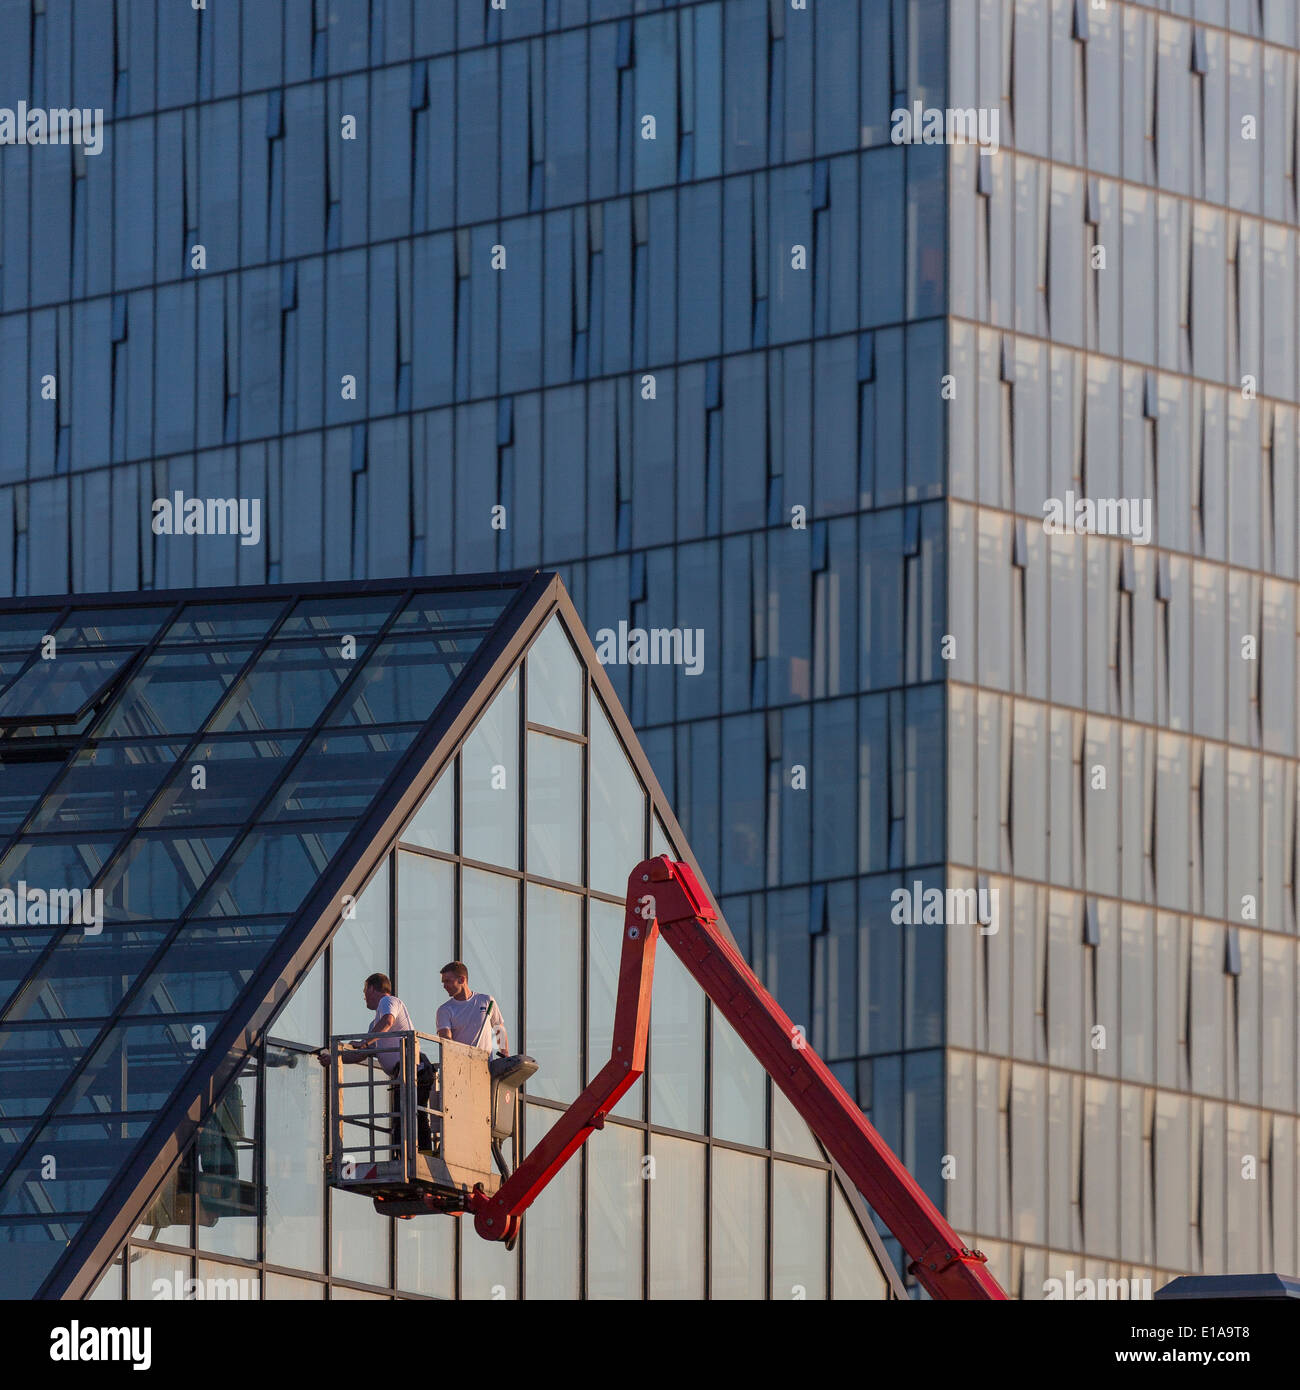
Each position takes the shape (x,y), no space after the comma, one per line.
(665,898)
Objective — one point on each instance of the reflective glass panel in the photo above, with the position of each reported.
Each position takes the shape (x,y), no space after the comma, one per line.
(799,1219)
(553,950)
(554,808)
(738,1228)
(677,1218)
(617,810)
(615,1212)
(555,681)
(295,1157)
(739,1088)
(431,827)
(551,1266)
(489,783)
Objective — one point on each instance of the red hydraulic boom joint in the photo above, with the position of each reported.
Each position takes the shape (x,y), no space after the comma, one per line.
(665,899)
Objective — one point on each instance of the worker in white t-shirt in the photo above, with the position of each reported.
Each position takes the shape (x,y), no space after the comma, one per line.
(467,1017)
(391,1016)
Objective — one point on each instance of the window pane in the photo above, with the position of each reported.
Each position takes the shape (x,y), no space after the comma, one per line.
(555,681)
(554,808)
(490,941)
(271,871)
(739,1088)
(302,1018)
(676,1046)
(677,1218)
(221,782)
(426,1255)
(490,783)
(360,948)
(554,965)
(487,1268)
(790,1135)
(617,815)
(425,935)
(615,1196)
(282,1287)
(339,774)
(431,826)
(738,1233)
(358,1238)
(551,1266)
(295,1156)
(106,785)
(798,1231)
(173,692)
(153,1270)
(855,1271)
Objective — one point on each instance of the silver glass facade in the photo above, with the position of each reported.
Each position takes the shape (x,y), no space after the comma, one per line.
(491,323)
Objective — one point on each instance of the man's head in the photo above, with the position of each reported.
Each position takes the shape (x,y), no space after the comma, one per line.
(376,987)
(455,979)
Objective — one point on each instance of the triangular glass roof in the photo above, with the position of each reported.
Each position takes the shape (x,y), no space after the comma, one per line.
(181,777)
(227,768)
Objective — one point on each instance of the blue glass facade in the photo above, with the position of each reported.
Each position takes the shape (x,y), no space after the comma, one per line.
(456,311)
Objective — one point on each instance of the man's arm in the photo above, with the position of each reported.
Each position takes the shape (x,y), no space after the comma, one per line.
(499,1031)
(445,1033)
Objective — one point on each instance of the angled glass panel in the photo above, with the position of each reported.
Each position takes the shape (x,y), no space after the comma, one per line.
(404,679)
(739,1088)
(356,614)
(854,1271)
(287,687)
(61,690)
(223,622)
(206,967)
(432,826)
(221,781)
(340,774)
(104,627)
(157,875)
(173,692)
(106,786)
(555,681)
(790,1134)
(618,809)
(271,871)
(20,632)
(22,783)
(454,608)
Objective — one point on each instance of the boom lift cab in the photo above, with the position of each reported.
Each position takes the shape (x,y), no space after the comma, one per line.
(375,1123)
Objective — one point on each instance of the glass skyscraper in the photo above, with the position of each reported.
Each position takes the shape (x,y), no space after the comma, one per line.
(646,293)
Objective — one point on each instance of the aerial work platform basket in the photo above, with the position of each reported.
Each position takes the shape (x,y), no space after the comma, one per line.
(376,1122)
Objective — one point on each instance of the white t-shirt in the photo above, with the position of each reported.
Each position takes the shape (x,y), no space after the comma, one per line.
(470,1021)
(389,1050)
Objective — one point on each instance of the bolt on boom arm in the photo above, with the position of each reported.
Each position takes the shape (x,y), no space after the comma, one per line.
(665,899)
